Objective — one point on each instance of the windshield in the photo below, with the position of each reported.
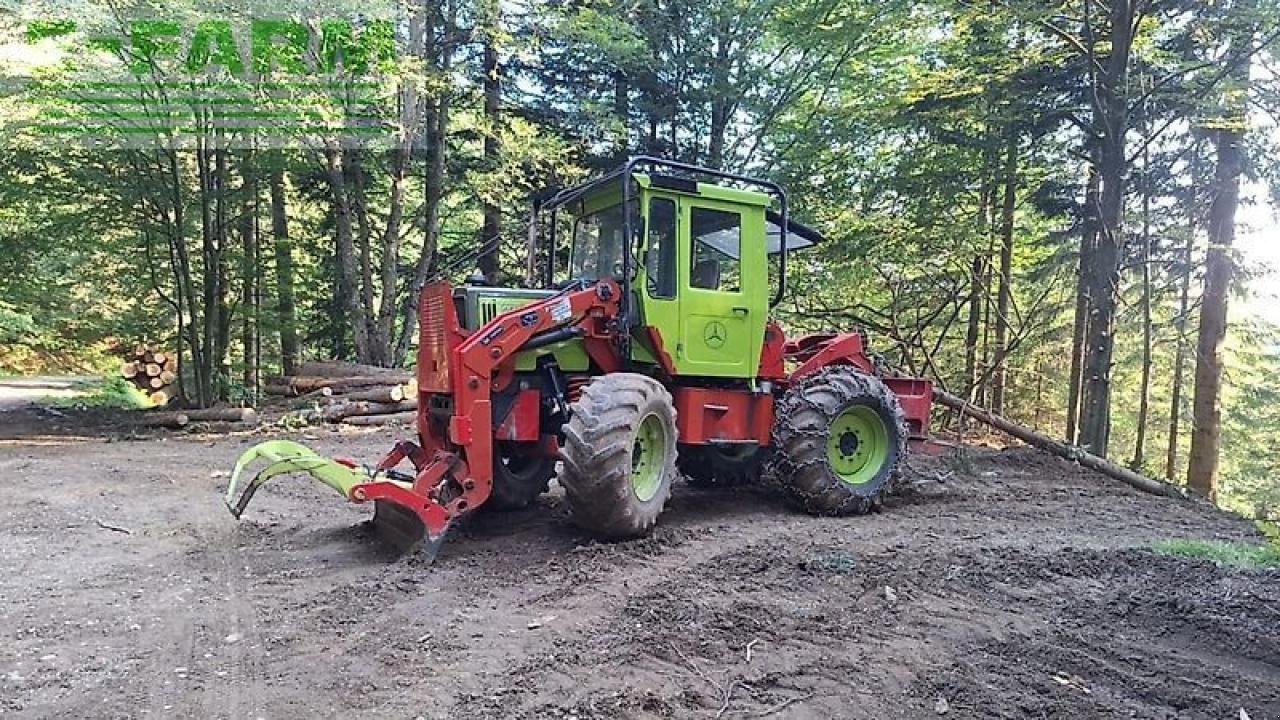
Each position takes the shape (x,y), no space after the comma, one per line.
(597,245)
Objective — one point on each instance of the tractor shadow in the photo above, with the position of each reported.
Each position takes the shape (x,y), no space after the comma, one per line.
(545,531)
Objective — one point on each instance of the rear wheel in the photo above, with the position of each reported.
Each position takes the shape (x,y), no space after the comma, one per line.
(713,466)
(619,455)
(518,478)
(840,435)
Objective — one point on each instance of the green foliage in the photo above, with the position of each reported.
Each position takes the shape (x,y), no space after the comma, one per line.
(1238,555)
(114,393)
(15,326)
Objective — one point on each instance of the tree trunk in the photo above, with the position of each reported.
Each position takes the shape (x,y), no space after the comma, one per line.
(1062,450)
(436,124)
(1180,344)
(222,224)
(974,328)
(348,274)
(489,259)
(286,305)
(186,286)
(1144,386)
(249,277)
(1080,329)
(622,109)
(1206,423)
(722,96)
(1112,107)
(209,283)
(1000,377)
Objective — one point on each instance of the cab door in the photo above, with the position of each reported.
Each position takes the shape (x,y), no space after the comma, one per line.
(723,288)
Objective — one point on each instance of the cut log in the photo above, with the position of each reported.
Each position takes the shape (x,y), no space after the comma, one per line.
(339,369)
(171,364)
(167,377)
(391,394)
(301,384)
(241,415)
(159,358)
(341,410)
(165,419)
(128,370)
(155,383)
(153,370)
(1056,447)
(400,418)
(315,396)
(159,398)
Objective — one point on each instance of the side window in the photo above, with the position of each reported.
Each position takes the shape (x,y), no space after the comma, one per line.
(660,257)
(717,250)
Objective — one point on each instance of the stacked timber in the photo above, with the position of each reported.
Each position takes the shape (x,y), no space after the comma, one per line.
(348,393)
(152,371)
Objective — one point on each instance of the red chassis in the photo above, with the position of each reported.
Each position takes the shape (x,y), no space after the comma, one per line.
(459,372)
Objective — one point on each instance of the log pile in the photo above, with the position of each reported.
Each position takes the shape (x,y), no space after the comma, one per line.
(152,371)
(348,393)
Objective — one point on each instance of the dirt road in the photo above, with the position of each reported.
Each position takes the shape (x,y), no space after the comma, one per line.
(1022,588)
(19,392)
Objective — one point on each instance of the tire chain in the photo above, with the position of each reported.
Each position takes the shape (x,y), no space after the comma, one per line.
(796,402)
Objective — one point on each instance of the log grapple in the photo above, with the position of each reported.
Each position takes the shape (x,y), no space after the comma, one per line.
(649,352)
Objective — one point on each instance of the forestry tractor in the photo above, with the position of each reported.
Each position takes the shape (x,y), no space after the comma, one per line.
(648,352)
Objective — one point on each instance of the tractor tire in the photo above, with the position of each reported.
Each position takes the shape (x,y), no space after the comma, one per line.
(619,455)
(708,466)
(838,437)
(518,479)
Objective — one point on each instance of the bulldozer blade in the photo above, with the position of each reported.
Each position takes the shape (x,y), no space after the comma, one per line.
(402,529)
(284,458)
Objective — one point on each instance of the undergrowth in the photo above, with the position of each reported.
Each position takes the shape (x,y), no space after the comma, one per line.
(113,393)
(1232,554)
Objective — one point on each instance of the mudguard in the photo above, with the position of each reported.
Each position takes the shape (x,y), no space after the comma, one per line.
(283,458)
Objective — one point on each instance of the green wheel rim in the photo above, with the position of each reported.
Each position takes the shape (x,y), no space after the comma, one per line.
(858,446)
(647,458)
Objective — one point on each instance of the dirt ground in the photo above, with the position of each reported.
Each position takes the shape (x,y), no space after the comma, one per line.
(1005,584)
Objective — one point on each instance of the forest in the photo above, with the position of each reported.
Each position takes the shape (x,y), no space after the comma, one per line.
(1036,204)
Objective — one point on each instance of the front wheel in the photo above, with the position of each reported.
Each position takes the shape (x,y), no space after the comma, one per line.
(840,435)
(619,455)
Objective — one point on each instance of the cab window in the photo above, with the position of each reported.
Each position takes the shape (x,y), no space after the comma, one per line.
(717,250)
(660,255)
(597,245)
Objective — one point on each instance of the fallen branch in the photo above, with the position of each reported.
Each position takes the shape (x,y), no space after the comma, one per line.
(1055,447)
(783,705)
(112,528)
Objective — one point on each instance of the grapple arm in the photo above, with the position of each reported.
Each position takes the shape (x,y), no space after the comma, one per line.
(284,458)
